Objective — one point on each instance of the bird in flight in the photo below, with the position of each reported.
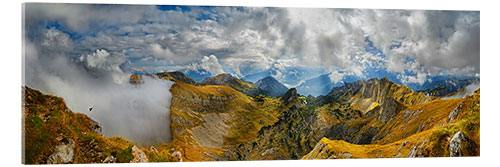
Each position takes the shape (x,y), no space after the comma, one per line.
(90,108)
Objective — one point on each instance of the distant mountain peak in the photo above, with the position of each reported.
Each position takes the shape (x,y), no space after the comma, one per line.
(272,86)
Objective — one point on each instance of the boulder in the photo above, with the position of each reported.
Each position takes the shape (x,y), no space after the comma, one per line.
(153,149)
(456,144)
(109,159)
(96,126)
(139,155)
(63,153)
(178,155)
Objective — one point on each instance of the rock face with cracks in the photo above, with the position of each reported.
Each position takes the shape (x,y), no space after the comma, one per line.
(63,153)
(456,144)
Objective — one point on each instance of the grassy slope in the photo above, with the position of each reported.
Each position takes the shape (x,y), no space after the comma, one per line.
(246,117)
(436,133)
(176,76)
(47,117)
(242,86)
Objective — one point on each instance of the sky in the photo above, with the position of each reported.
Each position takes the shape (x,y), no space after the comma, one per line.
(413,45)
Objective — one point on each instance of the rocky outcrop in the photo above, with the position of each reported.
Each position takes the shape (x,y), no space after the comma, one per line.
(388,110)
(346,131)
(63,152)
(316,152)
(291,96)
(409,114)
(455,112)
(95,126)
(177,155)
(456,144)
(139,155)
(110,159)
(416,150)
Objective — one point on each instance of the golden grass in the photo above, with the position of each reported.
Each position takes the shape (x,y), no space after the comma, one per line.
(436,135)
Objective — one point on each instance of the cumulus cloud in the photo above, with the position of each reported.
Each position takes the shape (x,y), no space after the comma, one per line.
(160,52)
(336,77)
(101,59)
(420,78)
(440,41)
(413,44)
(211,64)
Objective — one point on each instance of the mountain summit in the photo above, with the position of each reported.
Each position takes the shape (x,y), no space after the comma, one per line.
(272,86)
(237,84)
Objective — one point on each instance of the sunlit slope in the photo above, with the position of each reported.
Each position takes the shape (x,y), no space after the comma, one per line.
(49,124)
(176,76)
(423,130)
(237,84)
(207,119)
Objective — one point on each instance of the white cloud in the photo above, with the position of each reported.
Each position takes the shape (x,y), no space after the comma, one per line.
(208,63)
(160,52)
(420,78)
(211,64)
(101,59)
(336,77)
(250,39)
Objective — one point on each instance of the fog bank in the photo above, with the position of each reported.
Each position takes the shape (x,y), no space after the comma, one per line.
(139,113)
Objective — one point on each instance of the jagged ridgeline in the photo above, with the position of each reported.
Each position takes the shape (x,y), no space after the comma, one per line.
(226,118)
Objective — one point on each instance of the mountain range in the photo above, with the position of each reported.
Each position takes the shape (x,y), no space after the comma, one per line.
(226,118)
(316,82)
